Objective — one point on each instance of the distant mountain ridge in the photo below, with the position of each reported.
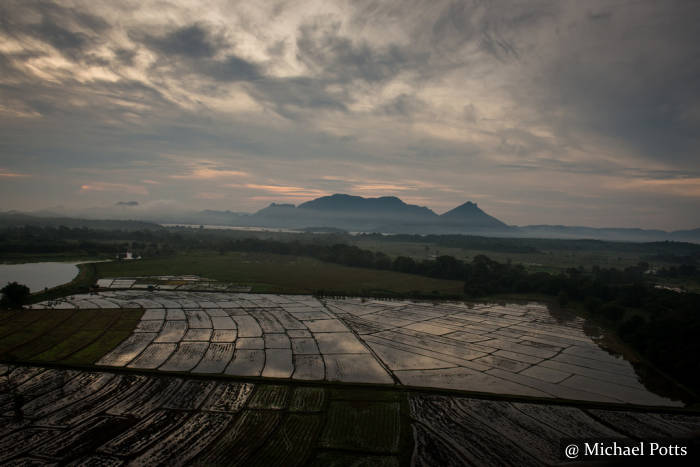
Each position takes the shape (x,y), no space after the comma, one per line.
(390,214)
(342,212)
(383,214)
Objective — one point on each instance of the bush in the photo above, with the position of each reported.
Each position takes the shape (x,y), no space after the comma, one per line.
(612,311)
(563,298)
(14,295)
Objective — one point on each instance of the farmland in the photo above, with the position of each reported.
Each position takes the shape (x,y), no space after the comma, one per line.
(54,415)
(267,272)
(168,369)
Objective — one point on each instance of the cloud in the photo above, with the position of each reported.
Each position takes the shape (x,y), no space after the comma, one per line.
(341,59)
(380,187)
(203,169)
(210,196)
(69,30)
(299,97)
(438,101)
(686,187)
(113,187)
(127,203)
(233,68)
(192,41)
(207,173)
(286,191)
(196,48)
(8,174)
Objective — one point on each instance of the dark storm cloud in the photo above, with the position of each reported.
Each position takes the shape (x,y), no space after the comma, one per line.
(124,56)
(194,49)
(233,68)
(62,39)
(107,100)
(339,59)
(294,98)
(402,105)
(333,59)
(641,87)
(7,66)
(68,30)
(193,41)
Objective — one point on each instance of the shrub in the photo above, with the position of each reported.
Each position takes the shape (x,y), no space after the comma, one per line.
(14,295)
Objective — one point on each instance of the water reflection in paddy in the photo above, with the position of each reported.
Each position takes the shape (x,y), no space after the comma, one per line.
(497,348)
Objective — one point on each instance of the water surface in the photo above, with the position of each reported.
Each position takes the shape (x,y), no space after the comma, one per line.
(36,276)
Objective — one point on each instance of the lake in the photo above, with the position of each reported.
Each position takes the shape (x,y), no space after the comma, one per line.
(36,276)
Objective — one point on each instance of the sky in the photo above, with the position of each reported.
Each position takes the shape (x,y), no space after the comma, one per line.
(542,112)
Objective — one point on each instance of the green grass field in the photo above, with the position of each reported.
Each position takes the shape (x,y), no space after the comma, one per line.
(77,337)
(267,272)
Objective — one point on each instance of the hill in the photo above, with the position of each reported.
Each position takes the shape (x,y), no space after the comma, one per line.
(469,214)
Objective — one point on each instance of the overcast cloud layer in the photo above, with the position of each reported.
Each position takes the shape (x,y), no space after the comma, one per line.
(560,112)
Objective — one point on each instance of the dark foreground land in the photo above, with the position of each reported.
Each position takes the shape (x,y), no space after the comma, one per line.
(62,416)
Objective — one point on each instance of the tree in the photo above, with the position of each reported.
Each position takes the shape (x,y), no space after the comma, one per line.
(563,298)
(13,295)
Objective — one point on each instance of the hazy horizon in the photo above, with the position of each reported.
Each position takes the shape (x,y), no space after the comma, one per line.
(542,112)
(132,210)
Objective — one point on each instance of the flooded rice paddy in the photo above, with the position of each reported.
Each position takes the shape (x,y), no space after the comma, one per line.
(506,349)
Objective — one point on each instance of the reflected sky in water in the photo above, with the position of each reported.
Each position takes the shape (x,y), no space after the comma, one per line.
(36,276)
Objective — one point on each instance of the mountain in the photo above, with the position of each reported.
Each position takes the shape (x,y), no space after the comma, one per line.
(359,206)
(390,214)
(275,209)
(387,214)
(469,214)
(384,214)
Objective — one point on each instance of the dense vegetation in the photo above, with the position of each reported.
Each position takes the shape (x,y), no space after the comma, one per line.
(37,240)
(663,251)
(30,239)
(13,295)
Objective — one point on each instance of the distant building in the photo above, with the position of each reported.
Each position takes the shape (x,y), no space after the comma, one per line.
(128,255)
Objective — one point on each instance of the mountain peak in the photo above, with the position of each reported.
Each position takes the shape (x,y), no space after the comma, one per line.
(470,214)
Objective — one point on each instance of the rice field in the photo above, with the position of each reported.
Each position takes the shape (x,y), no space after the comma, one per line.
(78,417)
